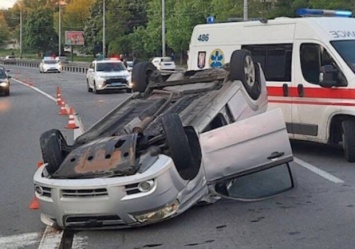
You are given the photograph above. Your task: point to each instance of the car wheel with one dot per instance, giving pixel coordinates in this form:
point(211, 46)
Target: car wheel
point(140, 75)
point(348, 129)
point(183, 146)
point(51, 147)
point(88, 86)
point(7, 92)
point(243, 68)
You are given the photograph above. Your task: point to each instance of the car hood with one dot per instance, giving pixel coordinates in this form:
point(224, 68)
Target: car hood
point(109, 156)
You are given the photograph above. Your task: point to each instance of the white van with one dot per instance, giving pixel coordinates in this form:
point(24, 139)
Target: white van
point(309, 64)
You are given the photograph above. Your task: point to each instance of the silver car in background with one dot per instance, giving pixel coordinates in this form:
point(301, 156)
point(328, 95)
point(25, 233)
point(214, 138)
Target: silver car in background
point(181, 139)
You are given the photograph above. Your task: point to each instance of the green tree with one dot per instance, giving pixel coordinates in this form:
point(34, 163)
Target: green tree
point(4, 30)
point(40, 34)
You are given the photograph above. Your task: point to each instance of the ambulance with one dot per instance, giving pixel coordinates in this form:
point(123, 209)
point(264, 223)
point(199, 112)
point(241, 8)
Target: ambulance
point(309, 64)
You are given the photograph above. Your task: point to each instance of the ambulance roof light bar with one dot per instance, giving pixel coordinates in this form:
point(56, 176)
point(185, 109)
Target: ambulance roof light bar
point(321, 12)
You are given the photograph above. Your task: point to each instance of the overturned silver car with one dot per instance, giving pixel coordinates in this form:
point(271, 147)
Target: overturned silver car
point(181, 139)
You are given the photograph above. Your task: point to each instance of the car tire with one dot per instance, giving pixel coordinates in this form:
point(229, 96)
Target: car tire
point(243, 68)
point(88, 86)
point(140, 75)
point(181, 146)
point(348, 132)
point(7, 92)
point(51, 147)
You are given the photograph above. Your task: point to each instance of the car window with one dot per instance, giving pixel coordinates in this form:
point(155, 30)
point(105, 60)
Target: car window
point(166, 59)
point(110, 67)
point(2, 74)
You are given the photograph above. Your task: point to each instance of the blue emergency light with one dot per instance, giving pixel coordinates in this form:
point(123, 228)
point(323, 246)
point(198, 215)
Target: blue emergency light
point(320, 12)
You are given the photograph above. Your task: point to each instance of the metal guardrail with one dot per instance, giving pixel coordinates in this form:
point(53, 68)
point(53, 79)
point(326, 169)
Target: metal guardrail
point(77, 67)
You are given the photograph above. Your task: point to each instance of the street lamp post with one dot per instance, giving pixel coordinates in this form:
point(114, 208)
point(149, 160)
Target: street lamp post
point(163, 27)
point(245, 10)
point(21, 32)
point(60, 29)
point(21, 28)
point(103, 29)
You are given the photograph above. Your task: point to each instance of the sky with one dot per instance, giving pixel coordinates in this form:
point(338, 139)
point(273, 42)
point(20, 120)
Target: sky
point(5, 4)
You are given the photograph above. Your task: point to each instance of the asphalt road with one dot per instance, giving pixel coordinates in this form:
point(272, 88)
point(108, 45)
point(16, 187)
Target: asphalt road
point(319, 213)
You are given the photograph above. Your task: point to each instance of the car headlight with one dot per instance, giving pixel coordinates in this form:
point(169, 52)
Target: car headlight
point(158, 214)
point(4, 84)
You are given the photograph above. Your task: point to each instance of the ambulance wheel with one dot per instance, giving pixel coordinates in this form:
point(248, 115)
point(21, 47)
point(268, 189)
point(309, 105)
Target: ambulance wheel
point(348, 127)
point(140, 75)
point(51, 147)
point(183, 146)
point(243, 68)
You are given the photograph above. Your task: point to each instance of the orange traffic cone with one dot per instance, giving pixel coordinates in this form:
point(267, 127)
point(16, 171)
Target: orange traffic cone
point(71, 123)
point(30, 83)
point(59, 96)
point(34, 203)
point(63, 110)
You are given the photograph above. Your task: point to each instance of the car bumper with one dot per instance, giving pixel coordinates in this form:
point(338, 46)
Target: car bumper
point(116, 202)
point(51, 70)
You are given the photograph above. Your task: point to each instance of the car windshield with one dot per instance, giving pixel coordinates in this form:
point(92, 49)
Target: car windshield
point(110, 67)
point(2, 74)
point(50, 62)
point(346, 50)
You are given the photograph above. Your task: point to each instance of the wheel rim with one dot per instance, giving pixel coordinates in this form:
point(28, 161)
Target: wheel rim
point(249, 71)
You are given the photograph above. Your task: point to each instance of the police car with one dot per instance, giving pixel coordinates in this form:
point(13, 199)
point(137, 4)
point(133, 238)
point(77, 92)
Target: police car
point(50, 65)
point(108, 74)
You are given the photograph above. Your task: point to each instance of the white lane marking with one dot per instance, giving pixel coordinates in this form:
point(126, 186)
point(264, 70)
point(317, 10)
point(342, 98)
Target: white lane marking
point(19, 241)
point(79, 242)
point(36, 89)
point(318, 171)
point(51, 238)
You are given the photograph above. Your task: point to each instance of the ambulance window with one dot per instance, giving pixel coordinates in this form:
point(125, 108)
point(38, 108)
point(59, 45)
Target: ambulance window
point(346, 51)
point(275, 59)
point(310, 62)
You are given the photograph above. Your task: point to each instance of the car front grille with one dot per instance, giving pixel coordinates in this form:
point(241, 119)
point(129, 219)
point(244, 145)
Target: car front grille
point(84, 193)
point(116, 80)
point(93, 221)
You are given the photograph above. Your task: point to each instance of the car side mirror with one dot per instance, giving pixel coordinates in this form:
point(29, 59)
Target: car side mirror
point(331, 76)
point(9, 77)
point(258, 185)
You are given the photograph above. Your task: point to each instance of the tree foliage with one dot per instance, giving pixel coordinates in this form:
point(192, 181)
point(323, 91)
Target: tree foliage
point(43, 38)
point(134, 27)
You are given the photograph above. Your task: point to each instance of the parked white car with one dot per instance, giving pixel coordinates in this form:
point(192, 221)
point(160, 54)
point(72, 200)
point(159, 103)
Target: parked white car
point(108, 74)
point(50, 65)
point(197, 137)
point(163, 63)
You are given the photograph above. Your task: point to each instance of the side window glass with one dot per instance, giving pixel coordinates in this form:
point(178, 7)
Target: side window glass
point(275, 60)
point(310, 62)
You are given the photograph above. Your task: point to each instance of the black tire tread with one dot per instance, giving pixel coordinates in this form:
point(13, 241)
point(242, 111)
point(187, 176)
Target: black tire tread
point(348, 127)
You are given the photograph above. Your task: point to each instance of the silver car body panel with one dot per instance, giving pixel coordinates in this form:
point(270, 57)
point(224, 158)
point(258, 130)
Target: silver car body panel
point(237, 148)
point(75, 198)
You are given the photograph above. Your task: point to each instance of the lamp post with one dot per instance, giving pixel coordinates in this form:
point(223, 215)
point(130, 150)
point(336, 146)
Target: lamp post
point(21, 27)
point(60, 29)
point(245, 10)
point(163, 27)
point(103, 29)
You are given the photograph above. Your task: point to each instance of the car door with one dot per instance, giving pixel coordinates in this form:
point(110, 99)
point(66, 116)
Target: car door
point(250, 145)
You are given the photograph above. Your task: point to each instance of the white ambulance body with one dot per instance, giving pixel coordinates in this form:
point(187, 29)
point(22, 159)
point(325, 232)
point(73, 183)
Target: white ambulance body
point(309, 64)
